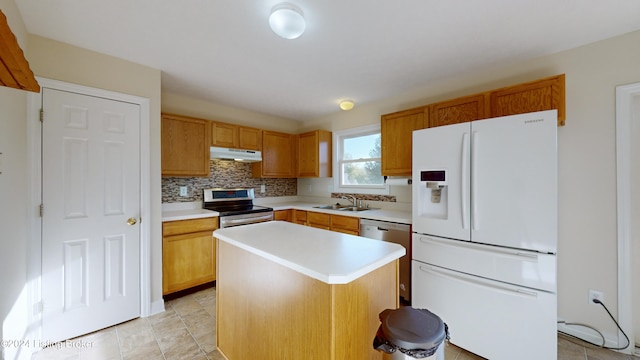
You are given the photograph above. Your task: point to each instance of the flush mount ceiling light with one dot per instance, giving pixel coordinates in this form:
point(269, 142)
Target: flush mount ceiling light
point(287, 21)
point(346, 105)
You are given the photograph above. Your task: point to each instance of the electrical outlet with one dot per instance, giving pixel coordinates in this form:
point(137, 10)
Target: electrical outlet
point(595, 294)
point(183, 191)
point(263, 188)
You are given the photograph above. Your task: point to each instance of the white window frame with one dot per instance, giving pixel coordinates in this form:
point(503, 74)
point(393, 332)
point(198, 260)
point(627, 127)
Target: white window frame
point(338, 136)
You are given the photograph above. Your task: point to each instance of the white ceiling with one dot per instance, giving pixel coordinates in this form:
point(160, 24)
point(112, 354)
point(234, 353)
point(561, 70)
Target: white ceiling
point(223, 51)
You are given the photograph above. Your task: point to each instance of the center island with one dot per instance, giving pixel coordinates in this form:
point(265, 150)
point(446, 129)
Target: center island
point(289, 291)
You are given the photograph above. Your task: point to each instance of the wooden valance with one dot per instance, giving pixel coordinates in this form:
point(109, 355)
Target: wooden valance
point(14, 68)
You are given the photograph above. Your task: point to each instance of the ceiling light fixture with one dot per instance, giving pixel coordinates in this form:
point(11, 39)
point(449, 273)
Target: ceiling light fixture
point(287, 21)
point(346, 105)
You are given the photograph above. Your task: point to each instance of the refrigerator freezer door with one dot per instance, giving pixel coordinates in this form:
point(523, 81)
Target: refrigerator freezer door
point(440, 178)
point(514, 187)
point(489, 318)
point(525, 268)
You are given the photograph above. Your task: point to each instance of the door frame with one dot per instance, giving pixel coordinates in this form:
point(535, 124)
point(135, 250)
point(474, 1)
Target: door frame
point(625, 95)
point(34, 158)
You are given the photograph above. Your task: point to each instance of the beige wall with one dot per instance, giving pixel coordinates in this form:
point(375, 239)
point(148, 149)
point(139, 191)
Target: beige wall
point(13, 201)
point(182, 105)
point(54, 60)
point(587, 248)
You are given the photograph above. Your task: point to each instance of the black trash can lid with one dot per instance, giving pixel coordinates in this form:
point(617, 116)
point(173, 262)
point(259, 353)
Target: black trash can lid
point(410, 328)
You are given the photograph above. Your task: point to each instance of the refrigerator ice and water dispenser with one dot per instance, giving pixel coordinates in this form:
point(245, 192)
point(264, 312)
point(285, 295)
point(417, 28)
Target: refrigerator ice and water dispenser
point(433, 194)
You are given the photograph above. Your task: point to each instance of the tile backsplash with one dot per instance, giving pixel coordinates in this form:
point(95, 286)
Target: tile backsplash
point(225, 174)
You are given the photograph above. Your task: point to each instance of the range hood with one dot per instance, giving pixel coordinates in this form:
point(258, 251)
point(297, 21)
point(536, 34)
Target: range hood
point(236, 154)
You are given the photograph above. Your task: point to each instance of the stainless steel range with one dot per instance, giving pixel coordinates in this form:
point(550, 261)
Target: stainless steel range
point(235, 207)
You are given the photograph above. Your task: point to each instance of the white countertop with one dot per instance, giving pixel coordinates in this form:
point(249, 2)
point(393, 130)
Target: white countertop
point(194, 210)
point(185, 211)
point(328, 256)
point(403, 217)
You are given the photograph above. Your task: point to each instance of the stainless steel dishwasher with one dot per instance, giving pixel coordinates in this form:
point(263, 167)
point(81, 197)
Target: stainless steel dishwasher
point(395, 233)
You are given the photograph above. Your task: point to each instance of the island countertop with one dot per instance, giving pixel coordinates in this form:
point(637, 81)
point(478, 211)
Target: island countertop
point(328, 256)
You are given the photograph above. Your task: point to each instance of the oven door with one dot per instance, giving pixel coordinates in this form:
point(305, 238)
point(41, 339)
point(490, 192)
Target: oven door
point(245, 219)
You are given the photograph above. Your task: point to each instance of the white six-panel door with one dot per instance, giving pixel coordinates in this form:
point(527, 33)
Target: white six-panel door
point(91, 201)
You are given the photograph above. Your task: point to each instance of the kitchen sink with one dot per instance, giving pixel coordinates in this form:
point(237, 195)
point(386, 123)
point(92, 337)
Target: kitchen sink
point(341, 207)
point(331, 207)
point(355, 208)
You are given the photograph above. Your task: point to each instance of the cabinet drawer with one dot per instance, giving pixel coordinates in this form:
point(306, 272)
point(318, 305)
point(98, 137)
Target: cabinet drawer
point(189, 226)
point(350, 224)
point(318, 220)
point(526, 268)
point(503, 306)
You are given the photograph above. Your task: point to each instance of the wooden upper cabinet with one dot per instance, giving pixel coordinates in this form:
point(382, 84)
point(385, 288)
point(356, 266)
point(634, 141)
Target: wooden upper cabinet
point(278, 156)
point(459, 110)
point(249, 138)
point(396, 131)
point(314, 154)
point(224, 135)
point(539, 95)
point(185, 146)
point(235, 136)
point(14, 68)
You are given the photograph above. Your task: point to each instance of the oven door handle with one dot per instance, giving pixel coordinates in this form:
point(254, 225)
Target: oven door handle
point(250, 220)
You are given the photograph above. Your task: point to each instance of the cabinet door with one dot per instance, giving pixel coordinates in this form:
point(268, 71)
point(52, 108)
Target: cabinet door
point(249, 138)
point(185, 146)
point(314, 154)
point(318, 220)
point(539, 95)
point(188, 260)
point(300, 217)
point(282, 215)
point(224, 135)
point(459, 110)
point(396, 131)
point(278, 156)
point(345, 224)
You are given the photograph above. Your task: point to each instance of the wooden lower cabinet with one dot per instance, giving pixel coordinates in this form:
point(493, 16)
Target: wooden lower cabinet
point(299, 217)
point(319, 220)
point(345, 224)
point(339, 223)
point(284, 314)
point(282, 215)
point(188, 253)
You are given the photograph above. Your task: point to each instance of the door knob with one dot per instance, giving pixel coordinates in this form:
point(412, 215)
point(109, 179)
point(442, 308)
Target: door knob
point(132, 221)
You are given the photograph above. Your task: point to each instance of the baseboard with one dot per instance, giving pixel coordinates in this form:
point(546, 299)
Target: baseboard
point(157, 307)
point(587, 334)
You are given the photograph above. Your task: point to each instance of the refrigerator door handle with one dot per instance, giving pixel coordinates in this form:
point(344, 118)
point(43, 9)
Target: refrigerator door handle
point(477, 281)
point(464, 197)
point(474, 180)
point(496, 251)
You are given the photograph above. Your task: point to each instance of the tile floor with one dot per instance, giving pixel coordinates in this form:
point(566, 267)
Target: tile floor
point(186, 330)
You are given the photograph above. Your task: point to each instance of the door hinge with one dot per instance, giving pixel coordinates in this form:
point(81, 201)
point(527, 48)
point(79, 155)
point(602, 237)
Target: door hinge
point(41, 209)
point(38, 308)
point(41, 115)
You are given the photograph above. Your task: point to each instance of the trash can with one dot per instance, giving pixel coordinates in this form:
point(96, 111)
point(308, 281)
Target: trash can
point(407, 333)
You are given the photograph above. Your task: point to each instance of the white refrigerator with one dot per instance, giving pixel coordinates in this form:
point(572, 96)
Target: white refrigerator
point(484, 242)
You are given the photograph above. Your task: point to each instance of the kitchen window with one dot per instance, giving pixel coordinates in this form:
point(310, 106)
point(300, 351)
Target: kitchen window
point(358, 163)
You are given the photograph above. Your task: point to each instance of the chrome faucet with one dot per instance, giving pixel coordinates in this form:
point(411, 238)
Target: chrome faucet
point(351, 198)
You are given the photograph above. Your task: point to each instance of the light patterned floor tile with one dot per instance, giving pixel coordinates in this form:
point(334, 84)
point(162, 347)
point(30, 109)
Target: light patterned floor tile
point(186, 330)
